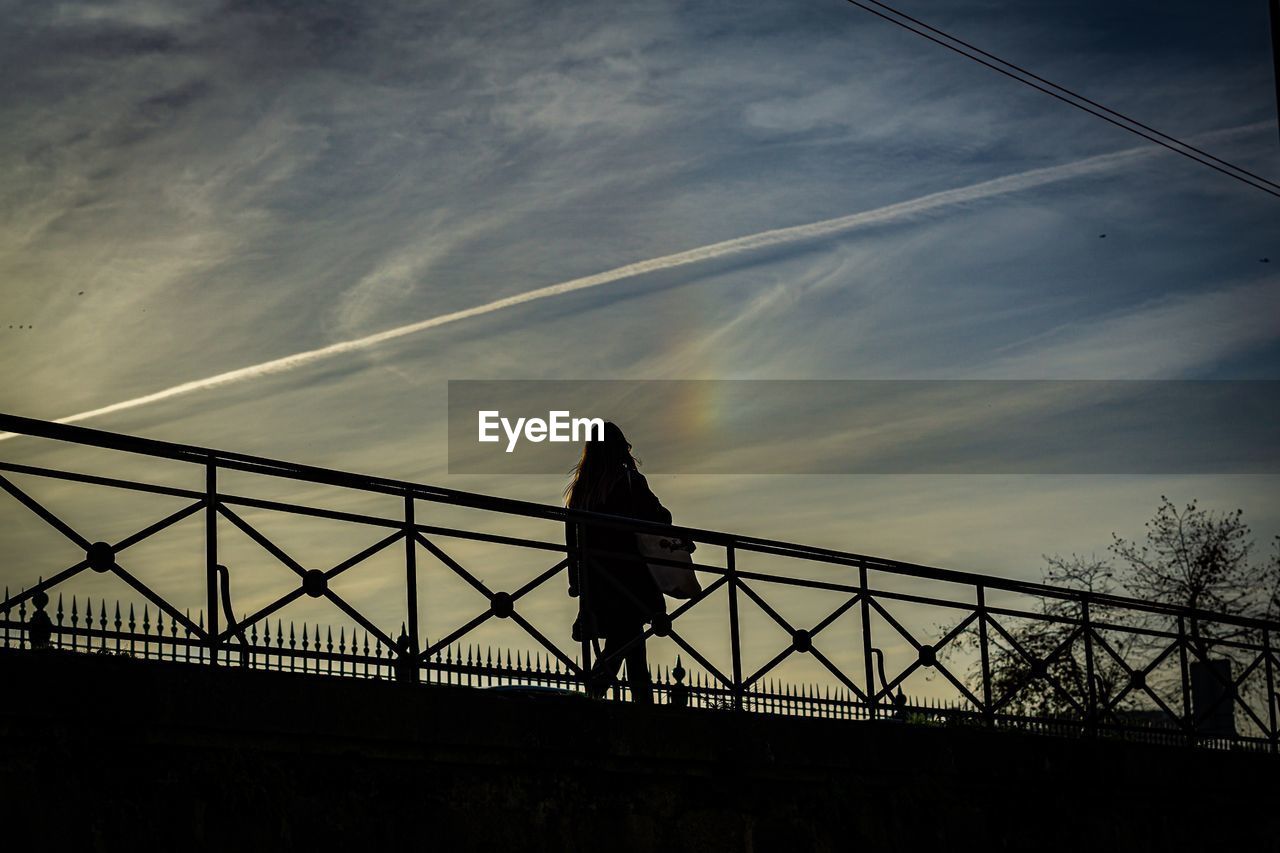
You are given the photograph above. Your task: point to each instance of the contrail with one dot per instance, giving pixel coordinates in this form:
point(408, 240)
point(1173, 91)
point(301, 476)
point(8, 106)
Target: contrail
point(739, 245)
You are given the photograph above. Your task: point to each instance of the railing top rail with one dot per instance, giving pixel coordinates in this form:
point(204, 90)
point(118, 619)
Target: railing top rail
point(385, 485)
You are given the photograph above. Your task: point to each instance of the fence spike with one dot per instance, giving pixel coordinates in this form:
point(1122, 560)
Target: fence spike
point(6, 595)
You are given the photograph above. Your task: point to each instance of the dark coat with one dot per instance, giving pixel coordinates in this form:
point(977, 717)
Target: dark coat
point(616, 596)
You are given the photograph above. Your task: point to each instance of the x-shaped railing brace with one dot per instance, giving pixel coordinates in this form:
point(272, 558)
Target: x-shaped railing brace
point(926, 655)
point(1233, 688)
point(1137, 678)
point(1039, 668)
point(101, 556)
point(501, 605)
point(801, 641)
point(661, 626)
point(315, 583)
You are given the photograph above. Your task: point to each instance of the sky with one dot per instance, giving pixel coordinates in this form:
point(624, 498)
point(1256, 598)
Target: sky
point(191, 189)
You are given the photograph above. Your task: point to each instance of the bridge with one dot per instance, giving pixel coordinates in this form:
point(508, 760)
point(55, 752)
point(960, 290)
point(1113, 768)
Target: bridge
point(869, 713)
point(875, 625)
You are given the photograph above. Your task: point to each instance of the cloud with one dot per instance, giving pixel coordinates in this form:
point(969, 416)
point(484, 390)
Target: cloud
point(750, 243)
point(1169, 336)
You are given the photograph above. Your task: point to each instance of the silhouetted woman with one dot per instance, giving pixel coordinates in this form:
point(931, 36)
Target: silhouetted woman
point(617, 596)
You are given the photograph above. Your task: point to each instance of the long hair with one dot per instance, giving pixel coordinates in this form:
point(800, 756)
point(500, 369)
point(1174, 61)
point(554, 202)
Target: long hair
point(602, 464)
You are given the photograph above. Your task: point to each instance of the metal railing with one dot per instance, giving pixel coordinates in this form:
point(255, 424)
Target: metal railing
point(1173, 674)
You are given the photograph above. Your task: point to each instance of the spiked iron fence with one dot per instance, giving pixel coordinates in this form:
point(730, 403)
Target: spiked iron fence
point(131, 630)
point(1114, 666)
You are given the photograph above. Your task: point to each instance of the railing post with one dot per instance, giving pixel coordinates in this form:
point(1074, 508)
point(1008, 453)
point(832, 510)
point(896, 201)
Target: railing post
point(1187, 723)
point(579, 574)
point(211, 555)
point(868, 674)
point(1273, 735)
point(1091, 721)
point(988, 714)
point(735, 637)
point(411, 583)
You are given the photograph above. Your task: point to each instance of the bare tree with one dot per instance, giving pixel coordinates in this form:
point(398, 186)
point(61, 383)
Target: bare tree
point(1190, 558)
point(1200, 559)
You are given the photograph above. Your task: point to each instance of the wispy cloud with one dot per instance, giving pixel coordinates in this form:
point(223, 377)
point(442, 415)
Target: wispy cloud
point(1169, 336)
point(764, 240)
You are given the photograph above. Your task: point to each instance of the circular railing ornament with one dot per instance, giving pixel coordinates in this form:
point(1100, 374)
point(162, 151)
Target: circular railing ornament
point(501, 605)
point(101, 557)
point(314, 583)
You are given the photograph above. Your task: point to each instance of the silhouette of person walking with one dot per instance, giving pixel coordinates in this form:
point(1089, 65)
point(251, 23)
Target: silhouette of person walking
point(616, 595)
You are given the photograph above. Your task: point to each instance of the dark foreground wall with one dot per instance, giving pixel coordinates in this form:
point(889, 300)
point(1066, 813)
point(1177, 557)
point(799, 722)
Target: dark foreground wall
point(100, 753)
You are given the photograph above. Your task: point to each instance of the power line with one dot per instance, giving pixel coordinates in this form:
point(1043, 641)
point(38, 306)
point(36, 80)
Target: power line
point(1074, 94)
point(1066, 95)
